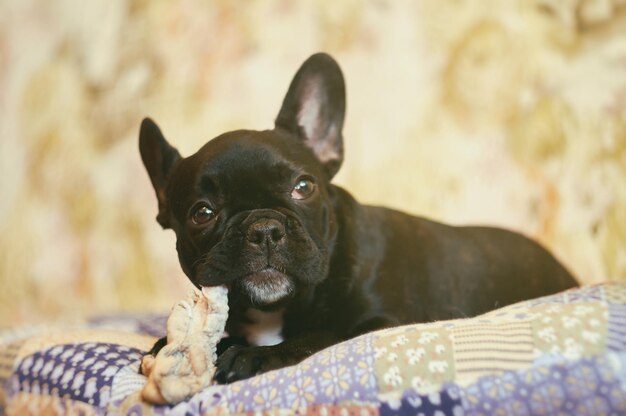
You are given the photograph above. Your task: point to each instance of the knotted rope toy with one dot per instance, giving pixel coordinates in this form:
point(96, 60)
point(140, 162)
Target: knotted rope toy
point(186, 364)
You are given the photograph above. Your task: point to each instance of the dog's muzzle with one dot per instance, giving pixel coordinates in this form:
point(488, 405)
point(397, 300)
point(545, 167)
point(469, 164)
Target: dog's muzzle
point(265, 236)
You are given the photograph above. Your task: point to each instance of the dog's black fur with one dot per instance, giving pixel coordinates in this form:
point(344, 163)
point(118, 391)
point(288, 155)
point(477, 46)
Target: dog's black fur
point(255, 210)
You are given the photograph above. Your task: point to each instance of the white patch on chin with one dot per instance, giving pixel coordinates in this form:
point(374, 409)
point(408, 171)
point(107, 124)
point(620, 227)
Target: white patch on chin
point(265, 327)
point(267, 291)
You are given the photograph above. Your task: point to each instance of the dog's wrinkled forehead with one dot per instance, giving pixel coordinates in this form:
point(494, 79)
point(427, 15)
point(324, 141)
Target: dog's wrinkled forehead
point(244, 165)
point(259, 156)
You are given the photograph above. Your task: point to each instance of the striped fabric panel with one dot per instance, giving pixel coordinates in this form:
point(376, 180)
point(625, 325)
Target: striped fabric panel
point(616, 329)
point(8, 356)
point(126, 382)
point(488, 348)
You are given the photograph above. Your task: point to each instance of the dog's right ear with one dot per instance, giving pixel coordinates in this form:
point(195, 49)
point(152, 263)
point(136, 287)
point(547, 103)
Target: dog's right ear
point(159, 158)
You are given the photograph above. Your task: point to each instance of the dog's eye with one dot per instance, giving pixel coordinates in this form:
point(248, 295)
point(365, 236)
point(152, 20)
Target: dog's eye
point(202, 215)
point(303, 189)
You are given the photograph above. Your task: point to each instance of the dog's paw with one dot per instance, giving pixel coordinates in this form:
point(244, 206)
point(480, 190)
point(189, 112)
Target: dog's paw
point(147, 360)
point(240, 362)
point(227, 342)
point(158, 346)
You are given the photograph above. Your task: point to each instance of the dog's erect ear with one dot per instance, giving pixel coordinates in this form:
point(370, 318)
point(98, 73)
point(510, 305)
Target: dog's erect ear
point(158, 158)
point(314, 109)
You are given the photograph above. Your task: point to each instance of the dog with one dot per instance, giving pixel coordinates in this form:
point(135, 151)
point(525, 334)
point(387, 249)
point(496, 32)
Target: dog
point(306, 265)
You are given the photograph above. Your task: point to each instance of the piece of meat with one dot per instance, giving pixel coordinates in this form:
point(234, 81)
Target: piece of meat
point(185, 365)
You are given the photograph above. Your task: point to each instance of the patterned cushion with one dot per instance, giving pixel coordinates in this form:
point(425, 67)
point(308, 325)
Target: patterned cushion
point(561, 354)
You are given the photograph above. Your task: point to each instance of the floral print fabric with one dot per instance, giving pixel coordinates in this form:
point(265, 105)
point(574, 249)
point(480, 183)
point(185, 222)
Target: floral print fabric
point(561, 354)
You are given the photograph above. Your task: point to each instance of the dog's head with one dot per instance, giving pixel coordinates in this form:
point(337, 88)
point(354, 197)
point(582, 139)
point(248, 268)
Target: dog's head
point(254, 209)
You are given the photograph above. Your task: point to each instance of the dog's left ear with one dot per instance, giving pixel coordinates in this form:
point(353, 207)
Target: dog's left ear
point(314, 109)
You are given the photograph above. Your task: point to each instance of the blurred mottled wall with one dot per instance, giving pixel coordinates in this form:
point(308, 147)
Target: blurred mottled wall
point(509, 112)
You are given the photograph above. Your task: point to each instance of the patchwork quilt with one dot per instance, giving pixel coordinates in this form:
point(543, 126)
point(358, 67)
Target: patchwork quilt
point(562, 354)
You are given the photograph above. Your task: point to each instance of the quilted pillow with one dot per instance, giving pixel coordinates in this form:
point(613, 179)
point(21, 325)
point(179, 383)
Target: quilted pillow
point(561, 354)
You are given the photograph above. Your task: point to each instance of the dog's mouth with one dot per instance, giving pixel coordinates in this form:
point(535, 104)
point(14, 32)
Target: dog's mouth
point(266, 286)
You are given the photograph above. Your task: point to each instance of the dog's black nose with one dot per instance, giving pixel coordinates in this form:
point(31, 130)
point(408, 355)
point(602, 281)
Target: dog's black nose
point(265, 229)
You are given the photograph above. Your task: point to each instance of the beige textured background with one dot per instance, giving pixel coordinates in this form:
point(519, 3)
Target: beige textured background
point(509, 112)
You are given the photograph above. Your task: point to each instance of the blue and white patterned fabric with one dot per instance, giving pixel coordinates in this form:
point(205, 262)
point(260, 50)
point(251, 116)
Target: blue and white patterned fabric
point(558, 355)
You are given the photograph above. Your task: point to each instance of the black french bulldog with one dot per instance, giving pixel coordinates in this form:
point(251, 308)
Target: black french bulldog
point(306, 265)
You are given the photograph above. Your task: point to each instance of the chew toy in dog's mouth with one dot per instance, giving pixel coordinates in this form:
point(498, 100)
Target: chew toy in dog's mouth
point(267, 286)
point(186, 364)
